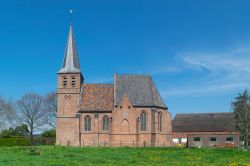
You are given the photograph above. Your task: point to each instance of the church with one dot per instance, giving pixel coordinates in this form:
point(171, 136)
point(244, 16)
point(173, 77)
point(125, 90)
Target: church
point(127, 112)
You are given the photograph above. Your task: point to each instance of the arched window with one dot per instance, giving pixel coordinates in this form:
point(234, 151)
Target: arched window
point(105, 123)
point(73, 81)
point(160, 121)
point(143, 121)
point(87, 123)
point(64, 81)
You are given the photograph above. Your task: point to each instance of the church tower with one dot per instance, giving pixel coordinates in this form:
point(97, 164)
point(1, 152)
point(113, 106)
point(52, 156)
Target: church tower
point(68, 95)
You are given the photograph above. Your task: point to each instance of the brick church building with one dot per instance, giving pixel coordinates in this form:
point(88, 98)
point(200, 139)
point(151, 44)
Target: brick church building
point(128, 112)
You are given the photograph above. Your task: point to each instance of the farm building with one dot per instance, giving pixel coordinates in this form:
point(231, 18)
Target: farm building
point(127, 112)
point(205, 130)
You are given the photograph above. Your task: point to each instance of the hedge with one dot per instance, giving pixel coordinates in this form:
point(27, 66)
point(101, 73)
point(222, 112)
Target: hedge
point(44, 141)
point(15, 141)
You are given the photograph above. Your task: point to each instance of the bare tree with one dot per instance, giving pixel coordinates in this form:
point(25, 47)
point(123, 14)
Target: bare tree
point(6, 112)
point(2, 112)
point(50, 108)
point(30, 112)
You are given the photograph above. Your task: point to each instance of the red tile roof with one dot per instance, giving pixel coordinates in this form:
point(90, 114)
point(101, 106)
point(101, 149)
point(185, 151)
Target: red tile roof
point(97, 97)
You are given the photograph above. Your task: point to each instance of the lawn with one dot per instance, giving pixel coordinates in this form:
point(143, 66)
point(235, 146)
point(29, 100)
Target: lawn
point(55, 155)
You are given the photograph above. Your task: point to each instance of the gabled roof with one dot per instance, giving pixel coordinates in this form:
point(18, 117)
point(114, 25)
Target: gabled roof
point(97, 97)
point(140, 90)
point(204, 122)
point(70, 61)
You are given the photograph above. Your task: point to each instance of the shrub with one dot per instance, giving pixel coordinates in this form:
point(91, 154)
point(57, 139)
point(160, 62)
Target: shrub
point(43, 141)
point(23, 142)
point(19, 131)
point(49, 133)
point(34, 151)
point(15, 141)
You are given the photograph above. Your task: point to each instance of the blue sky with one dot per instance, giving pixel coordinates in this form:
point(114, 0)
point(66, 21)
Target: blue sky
point(198, 52)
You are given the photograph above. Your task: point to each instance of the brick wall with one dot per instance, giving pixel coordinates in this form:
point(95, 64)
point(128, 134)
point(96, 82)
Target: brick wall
point(124, 127)
point(67, 124)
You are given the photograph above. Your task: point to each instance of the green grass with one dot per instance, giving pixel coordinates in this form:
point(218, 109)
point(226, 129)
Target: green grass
point(59, 156)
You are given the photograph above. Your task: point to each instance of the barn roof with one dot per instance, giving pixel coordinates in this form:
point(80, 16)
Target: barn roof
point(203, 122)
point(140, 90)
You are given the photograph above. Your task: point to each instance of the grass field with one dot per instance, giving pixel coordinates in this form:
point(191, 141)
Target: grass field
point(50, 155)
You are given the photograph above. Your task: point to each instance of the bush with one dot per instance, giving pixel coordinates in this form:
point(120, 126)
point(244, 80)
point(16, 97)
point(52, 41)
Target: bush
point(49, 133)
point(34, 151)
point(44, 141)
point(19, 131)
point(15, 141)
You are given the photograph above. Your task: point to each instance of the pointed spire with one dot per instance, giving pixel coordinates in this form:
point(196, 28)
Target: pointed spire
point(70, 62)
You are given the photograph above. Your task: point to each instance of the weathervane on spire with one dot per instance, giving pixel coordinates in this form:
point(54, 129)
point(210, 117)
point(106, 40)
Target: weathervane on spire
point(71, 12)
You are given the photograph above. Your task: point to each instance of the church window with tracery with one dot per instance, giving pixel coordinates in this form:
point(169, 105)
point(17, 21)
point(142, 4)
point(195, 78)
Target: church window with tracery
point(87, 124)
point(143, 121)
point(105, 123)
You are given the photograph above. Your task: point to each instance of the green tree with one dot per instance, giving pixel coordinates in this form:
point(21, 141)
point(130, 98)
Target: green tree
point(241, 110)
point(49, 133)
point(19, 131)
point(7, 133)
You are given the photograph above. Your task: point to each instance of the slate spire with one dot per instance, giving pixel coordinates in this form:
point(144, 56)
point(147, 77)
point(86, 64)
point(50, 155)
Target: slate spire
point(70, 61)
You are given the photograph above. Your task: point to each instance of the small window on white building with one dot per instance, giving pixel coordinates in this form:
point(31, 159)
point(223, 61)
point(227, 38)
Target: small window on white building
point(229, 139)
point(197, 139)
point(212, 139)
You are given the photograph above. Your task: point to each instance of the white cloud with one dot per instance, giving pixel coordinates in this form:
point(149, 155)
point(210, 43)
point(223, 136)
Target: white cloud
point(204, 90)
point(223, 73)
point(170, 69)
point(234, 61)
